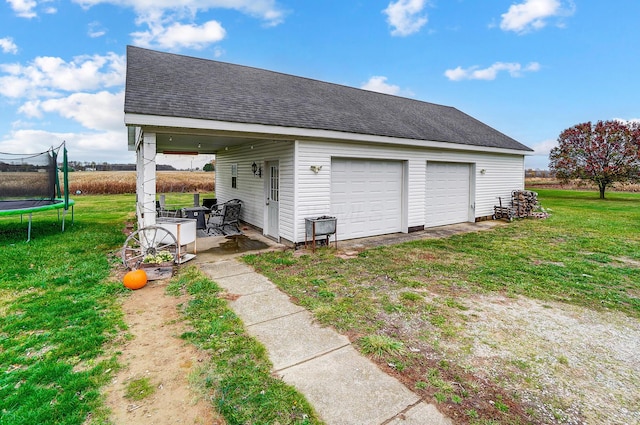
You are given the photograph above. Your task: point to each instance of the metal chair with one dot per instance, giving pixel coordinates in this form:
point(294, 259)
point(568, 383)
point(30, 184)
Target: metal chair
point(226, 220)
point(211, 203)
point(163, 211)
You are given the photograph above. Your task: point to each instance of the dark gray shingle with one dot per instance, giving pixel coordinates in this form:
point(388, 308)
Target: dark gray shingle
point(180, 86)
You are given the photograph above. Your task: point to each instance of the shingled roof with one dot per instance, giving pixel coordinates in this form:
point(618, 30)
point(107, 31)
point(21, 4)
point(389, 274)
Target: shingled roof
point(173, 85)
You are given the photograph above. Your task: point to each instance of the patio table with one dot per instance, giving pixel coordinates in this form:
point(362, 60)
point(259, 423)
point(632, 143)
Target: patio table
point(199, 213)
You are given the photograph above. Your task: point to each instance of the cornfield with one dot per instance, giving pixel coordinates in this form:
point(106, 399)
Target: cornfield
point(118, 182)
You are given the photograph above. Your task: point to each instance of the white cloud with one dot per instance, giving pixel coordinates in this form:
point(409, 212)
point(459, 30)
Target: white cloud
point(267, 10)
point(96, 30)
point(179, 35)
point(379, 84)
point(163, 19)
point(77, 91)
point(628, 121)
point(171, 24)
point(544, 147)
point(108, 146)
point(405, 16)
point(533, 15)
point(490, 73)
point(218, 52)
point(8, 46)
point(48, 76)
point(96, 111)
point(539, 160)
point(24, 8)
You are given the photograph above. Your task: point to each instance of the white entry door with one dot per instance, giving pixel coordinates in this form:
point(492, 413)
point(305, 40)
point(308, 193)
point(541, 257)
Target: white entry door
point(273, 200)
point(366, 197)
point(448, 193)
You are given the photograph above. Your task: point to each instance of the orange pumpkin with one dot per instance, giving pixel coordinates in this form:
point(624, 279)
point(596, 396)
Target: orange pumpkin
point(135, 279)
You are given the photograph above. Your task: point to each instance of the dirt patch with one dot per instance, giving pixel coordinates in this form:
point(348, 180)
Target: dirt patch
point(156, 352)
point(546, 362)
point(570, 364)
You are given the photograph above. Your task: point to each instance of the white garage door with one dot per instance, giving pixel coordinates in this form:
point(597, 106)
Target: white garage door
point(447, 197)
point(366, 197)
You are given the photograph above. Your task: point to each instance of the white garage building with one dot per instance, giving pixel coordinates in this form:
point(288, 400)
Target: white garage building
point(292, 147)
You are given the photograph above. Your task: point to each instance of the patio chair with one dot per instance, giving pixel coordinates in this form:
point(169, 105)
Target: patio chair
point(163, 211)
point(225, 221)
point(210, 203)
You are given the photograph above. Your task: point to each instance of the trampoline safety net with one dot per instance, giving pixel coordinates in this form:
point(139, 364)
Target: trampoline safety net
point(29, 176)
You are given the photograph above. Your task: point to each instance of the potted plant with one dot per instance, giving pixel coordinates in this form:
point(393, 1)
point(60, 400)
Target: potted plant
point(160, 259)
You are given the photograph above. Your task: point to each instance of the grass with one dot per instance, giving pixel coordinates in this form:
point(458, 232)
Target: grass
point(238, 376)
point(380, 345)
point(61, 324)
point(59, 315)
point(139, 389)
point(413, 293)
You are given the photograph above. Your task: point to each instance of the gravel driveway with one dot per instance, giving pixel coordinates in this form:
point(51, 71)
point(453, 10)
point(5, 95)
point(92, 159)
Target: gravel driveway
point(570, 364)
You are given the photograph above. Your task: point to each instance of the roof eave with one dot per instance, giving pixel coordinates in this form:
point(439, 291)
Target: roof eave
point(295, 133)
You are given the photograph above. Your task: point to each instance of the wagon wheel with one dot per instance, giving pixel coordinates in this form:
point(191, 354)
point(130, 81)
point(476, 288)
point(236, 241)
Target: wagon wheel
point(149, 240)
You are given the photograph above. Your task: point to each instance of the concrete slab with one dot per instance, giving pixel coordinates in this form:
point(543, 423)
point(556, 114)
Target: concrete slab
point(343, 386)
point(347, 389)
point(421, 414)
point(263, 306)
point(429, 233)
point(224, 268)
point(292, 339)
point(245, 284)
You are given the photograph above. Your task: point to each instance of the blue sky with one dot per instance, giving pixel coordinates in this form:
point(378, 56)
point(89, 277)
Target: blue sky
point(529, 68)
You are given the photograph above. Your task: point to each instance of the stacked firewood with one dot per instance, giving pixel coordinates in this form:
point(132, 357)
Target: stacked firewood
point(524, 203)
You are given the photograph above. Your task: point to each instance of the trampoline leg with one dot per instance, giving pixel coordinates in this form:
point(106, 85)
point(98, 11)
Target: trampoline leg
point(64, 215)
point(29, 229)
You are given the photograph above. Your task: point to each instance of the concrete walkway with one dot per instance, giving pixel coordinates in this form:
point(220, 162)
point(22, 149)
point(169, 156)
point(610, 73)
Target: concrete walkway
point(343, 386)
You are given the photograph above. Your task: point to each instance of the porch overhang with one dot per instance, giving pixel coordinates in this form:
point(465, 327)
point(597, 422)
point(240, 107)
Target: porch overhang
point(190, 135)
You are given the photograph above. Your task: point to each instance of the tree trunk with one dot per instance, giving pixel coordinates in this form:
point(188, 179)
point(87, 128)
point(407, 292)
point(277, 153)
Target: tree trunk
point(602, 187)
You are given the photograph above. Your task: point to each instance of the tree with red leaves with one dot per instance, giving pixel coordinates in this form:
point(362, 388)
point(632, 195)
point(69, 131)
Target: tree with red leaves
point(604, 153)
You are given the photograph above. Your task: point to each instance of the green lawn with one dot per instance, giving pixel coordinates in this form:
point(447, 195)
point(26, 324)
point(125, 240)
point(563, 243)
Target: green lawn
point(59, 313)
point(61, 323)
point(60, 309)
point(586, 253)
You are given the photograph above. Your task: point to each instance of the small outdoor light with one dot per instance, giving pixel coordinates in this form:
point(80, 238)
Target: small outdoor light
point(316, 168)
point(257, 170)
point(483, 171)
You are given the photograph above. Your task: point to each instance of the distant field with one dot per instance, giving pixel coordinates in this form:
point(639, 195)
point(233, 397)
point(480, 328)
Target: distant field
point(119, 182)
point(532, 183)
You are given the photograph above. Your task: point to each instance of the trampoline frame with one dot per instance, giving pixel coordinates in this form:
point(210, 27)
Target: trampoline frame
point(44, 205)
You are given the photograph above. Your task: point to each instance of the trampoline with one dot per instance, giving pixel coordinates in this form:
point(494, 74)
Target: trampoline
point(30, 183)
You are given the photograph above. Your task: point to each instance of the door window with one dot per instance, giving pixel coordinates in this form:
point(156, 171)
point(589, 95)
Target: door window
point(275, 183)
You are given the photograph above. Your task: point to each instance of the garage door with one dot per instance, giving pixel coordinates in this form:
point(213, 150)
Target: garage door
point(366, 197)
point(447, 197)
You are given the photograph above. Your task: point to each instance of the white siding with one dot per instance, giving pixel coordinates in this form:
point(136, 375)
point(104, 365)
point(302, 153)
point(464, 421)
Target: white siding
point(305, 193)
point(503, 173)
point(251, 189)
